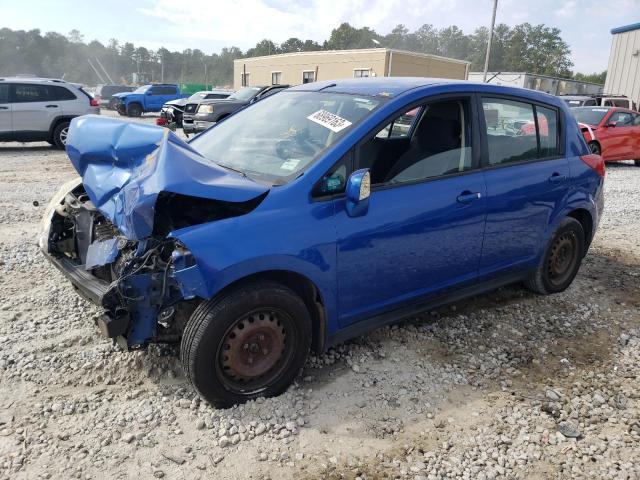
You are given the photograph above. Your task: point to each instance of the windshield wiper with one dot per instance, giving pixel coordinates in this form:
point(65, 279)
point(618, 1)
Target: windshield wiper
point(232, 169)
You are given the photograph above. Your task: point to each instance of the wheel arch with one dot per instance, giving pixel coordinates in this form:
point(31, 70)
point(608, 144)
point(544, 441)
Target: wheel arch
point(57, 121)
point(586, 220)
point(302, 286)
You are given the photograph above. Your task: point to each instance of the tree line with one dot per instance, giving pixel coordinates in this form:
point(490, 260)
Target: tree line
point(525, 47)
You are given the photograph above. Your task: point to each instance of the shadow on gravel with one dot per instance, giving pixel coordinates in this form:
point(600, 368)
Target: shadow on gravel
point(509, 337)
point(27, 149)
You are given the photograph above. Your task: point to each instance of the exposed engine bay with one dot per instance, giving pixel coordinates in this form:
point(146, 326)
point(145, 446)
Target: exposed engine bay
point(139, 280)
point(110, 231)
point(142, 298)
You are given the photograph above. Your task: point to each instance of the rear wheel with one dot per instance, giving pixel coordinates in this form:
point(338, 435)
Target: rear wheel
point(60, 133)
point(561, 260)
point(134, 110)
point(637, 162)
point(250, 343)
point(595, 148)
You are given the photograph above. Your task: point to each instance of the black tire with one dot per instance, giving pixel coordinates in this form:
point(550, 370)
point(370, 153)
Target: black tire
point(637, 162)
point(595, 148)
point(134, 110)
point(561, 259)
point(266, 321)
point(59, 137)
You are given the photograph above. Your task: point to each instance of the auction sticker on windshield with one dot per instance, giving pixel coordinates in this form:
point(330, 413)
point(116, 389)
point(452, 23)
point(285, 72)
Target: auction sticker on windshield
point(333, 122)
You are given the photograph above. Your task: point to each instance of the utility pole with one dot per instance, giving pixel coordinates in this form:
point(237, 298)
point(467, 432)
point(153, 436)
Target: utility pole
point(493, 22)
point(205, 72)
point(162, 67)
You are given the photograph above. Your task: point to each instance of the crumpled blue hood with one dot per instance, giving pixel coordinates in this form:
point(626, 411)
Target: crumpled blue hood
point(125, 165)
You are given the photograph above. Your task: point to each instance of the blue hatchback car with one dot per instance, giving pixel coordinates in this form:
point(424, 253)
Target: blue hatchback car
point(318, 214)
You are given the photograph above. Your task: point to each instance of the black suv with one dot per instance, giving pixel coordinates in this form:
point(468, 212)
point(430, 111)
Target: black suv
point(198, 117)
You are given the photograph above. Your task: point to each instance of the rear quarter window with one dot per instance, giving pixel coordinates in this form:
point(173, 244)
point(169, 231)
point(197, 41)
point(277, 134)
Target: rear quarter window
point(60, 93)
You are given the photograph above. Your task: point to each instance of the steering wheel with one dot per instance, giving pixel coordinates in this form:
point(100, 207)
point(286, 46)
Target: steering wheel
point(295, 146)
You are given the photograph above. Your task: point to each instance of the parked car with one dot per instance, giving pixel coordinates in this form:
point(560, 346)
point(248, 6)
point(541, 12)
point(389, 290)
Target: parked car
point(293, 225)
point(611, 132)
point(200, 116)
point(104, 94)
point(40, 109)
point(600, 99)
point(148, 98)
point(172, 111)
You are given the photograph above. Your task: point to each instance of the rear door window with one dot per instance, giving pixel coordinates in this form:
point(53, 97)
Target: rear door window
point(520, 131)
point(24, 93)
point(511, 131)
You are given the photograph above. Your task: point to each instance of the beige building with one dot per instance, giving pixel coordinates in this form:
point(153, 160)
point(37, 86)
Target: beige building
point(305, 67)
point(623, 72)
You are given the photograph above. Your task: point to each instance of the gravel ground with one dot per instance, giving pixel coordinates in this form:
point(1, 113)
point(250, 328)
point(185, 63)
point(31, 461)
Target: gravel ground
point(505, 385)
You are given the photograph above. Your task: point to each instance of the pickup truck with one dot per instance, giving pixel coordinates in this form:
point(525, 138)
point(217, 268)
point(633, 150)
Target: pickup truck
point(148, 98)
point(197, 117)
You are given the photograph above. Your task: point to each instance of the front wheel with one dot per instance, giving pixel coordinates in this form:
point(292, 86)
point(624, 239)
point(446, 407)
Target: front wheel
point(637, 162)
point(561, 260)
point(60, 133)
point(250, 343)
point(134, 110)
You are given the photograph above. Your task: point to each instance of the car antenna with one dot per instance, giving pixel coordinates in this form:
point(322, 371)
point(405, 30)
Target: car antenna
point(328, 86)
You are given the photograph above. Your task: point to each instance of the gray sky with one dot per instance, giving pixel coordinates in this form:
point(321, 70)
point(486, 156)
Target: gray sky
point(211, 25)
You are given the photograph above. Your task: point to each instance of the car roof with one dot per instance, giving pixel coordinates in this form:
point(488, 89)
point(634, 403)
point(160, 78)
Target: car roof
point(373, 86)
point(394, 86)
point(32, 80)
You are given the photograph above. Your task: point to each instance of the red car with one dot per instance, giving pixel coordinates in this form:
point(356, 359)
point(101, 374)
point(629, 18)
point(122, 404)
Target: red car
point(612, 132)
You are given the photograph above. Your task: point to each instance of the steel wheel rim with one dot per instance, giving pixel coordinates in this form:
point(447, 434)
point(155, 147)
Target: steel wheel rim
point(255, 350)
point(63, 135)
point(562, 258)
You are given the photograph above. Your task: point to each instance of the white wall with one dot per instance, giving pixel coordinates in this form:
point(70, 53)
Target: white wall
point(623, 72)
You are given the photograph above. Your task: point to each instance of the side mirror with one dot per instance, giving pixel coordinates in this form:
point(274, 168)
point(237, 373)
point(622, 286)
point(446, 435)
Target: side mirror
point(358, 192)
point(149, 93)
point(612, 124)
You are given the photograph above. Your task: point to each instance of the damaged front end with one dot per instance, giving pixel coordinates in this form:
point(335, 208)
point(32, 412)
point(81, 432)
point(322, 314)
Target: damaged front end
point(111, 232)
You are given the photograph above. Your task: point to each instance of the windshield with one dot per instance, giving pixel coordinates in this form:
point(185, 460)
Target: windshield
point(198, 96)
point(590, 116)
point(278, 137)
point(141, 89)
point(245, 93)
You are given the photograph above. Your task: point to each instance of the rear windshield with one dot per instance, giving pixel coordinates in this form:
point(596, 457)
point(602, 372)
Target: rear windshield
point(589, 115)
point(245, 93)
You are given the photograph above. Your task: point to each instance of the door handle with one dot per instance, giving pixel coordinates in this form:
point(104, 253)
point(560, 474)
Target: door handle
point(468, 197)
point(557, 178)
point(52, 106)
point(4, 108)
